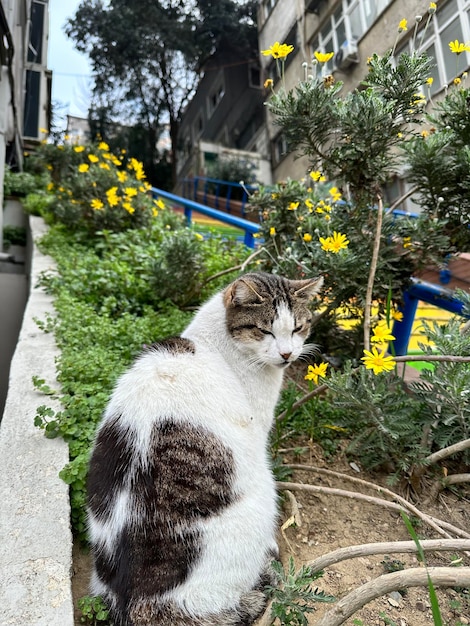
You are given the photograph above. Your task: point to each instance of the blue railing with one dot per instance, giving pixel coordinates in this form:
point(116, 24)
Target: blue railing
point(188, 206)
point(204, 189)
point(419, 290)
point(426, 292)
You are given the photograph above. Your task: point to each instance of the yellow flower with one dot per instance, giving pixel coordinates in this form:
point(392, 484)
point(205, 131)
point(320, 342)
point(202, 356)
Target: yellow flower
point(335, 194)
point(457, 47)
point(128, 207)
point(268, 83)
point(381, 334)
point(112, 196)
point(338, 242)
point(49, 167)
point(104, 166)
point(198, 236)
point(103, 146)
point(325, 243)
point(309, 205)
point(79, 148)
point(317, 177)
point(272, 231)
point(307, 237)
point(155, 212)
point(115, 161)
point(122, 176)
point(96, 204)
point(83, 167)
point(93, 158)
point(316, 371)
point(424, 133)
point(396, 315)
point(403, 25)
point(278, 50)
point(377, 361)
point(323, 57)
point(457, 81)
point(292, 206)
point(50, 186)
point(429, 81)
point(407, 242)
point(130, 191)
point(432, 7)
point(44, 131)
point(160, 204)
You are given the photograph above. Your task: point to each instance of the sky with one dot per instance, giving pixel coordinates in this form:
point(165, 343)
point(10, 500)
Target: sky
point(71, 83)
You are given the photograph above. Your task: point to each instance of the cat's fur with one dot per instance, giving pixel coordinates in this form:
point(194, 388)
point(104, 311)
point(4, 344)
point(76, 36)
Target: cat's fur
point(181, 498)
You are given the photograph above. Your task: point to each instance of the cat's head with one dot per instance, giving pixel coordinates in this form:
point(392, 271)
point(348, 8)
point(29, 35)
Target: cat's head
point(268, 316)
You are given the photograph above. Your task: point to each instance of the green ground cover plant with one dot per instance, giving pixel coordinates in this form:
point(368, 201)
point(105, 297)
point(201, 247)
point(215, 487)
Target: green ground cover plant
point(130, 272)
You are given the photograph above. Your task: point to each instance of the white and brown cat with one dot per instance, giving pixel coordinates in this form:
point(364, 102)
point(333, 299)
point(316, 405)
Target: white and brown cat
point(181, 498)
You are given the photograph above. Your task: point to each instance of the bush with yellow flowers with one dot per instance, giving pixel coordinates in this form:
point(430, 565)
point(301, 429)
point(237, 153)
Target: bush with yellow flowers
point(94, 189)
point(336, 222)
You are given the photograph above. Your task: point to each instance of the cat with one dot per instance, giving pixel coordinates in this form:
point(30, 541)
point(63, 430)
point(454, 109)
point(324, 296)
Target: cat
point(181, 498)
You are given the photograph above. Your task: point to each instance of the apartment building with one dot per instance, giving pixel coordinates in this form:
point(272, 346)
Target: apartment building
point(25, 81)
point(226, 117)
point(353, 30)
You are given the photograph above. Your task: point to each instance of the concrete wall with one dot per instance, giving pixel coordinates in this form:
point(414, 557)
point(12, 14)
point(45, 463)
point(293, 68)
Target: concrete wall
point(36, 540)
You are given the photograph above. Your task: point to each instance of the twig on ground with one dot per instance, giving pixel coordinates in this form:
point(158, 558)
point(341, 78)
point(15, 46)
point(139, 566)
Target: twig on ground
point(416, 577)
point(438, 525)
point(295, 511)
point(445, 452)
point(385, 547)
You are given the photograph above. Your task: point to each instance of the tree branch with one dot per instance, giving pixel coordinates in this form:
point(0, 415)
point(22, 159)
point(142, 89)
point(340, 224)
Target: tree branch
point(385, 547)
point(436, 524)
point(445, 452)
point(373, 269)
point(416, 577)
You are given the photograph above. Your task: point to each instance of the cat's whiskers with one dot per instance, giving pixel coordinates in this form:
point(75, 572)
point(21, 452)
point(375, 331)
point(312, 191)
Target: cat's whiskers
point(308, 350)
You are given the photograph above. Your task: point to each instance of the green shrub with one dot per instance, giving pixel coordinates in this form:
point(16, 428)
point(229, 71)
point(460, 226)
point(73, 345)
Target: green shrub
point(94, 189)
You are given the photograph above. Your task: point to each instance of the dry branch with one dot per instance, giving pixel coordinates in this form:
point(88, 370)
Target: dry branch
point(372, 271)
point(385, 547)
point(416, 577)
point(445, 452)
point(438, 525)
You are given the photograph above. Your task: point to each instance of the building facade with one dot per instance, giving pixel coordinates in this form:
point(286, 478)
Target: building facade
point(226, 117)
point(25, 81)
point(353, 30)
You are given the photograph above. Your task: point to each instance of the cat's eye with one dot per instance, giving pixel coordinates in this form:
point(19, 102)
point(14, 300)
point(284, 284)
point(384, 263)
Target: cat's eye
point(265, 332)
point(297, 330)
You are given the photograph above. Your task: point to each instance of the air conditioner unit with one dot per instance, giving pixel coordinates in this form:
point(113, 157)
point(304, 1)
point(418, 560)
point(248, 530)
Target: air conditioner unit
point(347, 55)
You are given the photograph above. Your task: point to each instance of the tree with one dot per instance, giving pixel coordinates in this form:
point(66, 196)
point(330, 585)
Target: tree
point(146, 57)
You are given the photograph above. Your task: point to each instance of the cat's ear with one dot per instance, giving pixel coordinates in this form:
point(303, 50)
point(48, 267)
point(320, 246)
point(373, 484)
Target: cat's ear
point(308, 288)
point(242, 291)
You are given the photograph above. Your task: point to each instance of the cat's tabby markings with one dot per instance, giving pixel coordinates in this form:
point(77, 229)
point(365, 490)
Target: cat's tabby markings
point(181, 498)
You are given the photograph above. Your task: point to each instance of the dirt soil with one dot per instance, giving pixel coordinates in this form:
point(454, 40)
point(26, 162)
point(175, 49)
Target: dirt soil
point(329, 522)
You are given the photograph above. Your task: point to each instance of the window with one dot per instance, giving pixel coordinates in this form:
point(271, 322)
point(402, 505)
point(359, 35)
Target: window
point(351, 20)
point(215, 97)
point(36, 33)
point(31, 112)
point(254, 75)
point(268, 6)
point(279, 148)
point(450, 22)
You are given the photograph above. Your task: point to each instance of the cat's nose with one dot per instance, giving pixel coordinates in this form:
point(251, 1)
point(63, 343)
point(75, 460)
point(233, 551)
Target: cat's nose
point(286, 355)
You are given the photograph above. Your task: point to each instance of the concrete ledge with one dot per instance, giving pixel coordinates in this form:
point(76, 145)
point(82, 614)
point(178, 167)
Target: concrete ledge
point(35, 534)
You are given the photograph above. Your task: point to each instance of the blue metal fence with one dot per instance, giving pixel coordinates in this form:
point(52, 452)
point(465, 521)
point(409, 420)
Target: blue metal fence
point(221, 191)
point(188, 206)
point(419, 290)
